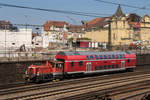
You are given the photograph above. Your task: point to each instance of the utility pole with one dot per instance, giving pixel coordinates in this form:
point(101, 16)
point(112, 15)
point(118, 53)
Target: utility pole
point(5, 40)
point(109, 35)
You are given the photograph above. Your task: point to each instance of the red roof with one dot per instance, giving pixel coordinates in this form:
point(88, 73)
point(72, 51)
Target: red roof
point(58, 24)
point(95, 21)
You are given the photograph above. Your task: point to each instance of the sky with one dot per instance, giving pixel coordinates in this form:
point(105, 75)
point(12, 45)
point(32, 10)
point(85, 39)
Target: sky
point(35, 17)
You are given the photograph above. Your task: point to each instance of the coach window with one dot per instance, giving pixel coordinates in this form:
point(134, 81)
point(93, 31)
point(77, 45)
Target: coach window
point(91, 57)
point(105, 57)
point(109, 67)
point(101, 57)
point(117, 66)
point(96, 68)
point(128, 60)
point(113, 56)
point(96, 57)
point(81, 63)
point(72, 64)
point(101, 68)
point(120, 56)
point(113, 66)
point(105, 67)
point(117, 56)
point(123, 56)
point(87, 57)
point(109, 56)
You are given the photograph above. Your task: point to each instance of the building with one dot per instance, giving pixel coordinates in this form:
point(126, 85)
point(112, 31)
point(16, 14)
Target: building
point(13, 37)
point(60, 32)
point(124, 28)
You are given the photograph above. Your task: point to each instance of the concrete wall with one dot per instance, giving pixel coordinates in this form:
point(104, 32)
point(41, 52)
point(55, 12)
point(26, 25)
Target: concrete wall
point(13, 71)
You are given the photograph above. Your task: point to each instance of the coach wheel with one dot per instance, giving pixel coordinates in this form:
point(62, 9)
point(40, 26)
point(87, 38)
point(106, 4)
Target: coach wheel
point(27, 80)
point(57, 79)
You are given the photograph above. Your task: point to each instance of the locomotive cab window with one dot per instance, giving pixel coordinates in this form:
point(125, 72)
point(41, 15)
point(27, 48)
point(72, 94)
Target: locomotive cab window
point(53, 64)
point(81, 63)
point(58, 65)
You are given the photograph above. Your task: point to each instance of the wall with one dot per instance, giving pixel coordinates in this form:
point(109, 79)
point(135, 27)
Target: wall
point(16, 38)
point(13, 71)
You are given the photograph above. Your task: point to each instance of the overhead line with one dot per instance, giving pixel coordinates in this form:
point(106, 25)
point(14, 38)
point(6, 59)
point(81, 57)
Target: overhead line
point(57, 11)
point(108, 2)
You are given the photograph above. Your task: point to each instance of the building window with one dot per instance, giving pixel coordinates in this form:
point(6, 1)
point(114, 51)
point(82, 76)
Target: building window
point(124, 24)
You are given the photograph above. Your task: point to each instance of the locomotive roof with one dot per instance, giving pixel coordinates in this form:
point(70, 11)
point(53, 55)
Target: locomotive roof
point(93, 53)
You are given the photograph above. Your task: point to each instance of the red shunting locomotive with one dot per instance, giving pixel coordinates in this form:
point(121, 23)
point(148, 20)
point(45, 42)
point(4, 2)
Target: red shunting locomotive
point(81, 63)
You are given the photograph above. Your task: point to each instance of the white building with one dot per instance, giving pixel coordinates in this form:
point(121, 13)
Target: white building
point(15, 39)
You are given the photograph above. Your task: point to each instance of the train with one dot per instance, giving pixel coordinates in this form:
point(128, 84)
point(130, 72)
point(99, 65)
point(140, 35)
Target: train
point(81, 63)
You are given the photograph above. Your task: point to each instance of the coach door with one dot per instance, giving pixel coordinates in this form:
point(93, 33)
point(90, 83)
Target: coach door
point(88, 66)
point(122, 64)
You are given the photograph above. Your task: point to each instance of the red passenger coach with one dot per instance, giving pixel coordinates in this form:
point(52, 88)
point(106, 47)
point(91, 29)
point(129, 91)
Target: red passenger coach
point(71, 63)
point(93, 62)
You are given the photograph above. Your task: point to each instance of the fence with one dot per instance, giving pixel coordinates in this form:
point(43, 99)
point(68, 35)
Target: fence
point(25, 56)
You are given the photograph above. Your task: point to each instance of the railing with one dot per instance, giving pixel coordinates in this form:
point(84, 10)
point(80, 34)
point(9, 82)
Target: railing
point(25, 56)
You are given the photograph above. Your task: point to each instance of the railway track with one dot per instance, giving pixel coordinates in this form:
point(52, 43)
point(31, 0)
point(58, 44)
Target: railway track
point(57, 92)
point(30, 87)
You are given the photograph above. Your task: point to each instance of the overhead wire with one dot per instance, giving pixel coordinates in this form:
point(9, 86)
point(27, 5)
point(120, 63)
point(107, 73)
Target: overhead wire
point(114, 3)
point(57, 11)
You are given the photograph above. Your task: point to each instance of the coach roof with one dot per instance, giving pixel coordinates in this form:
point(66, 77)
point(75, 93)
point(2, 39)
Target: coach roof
point(92, 53)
